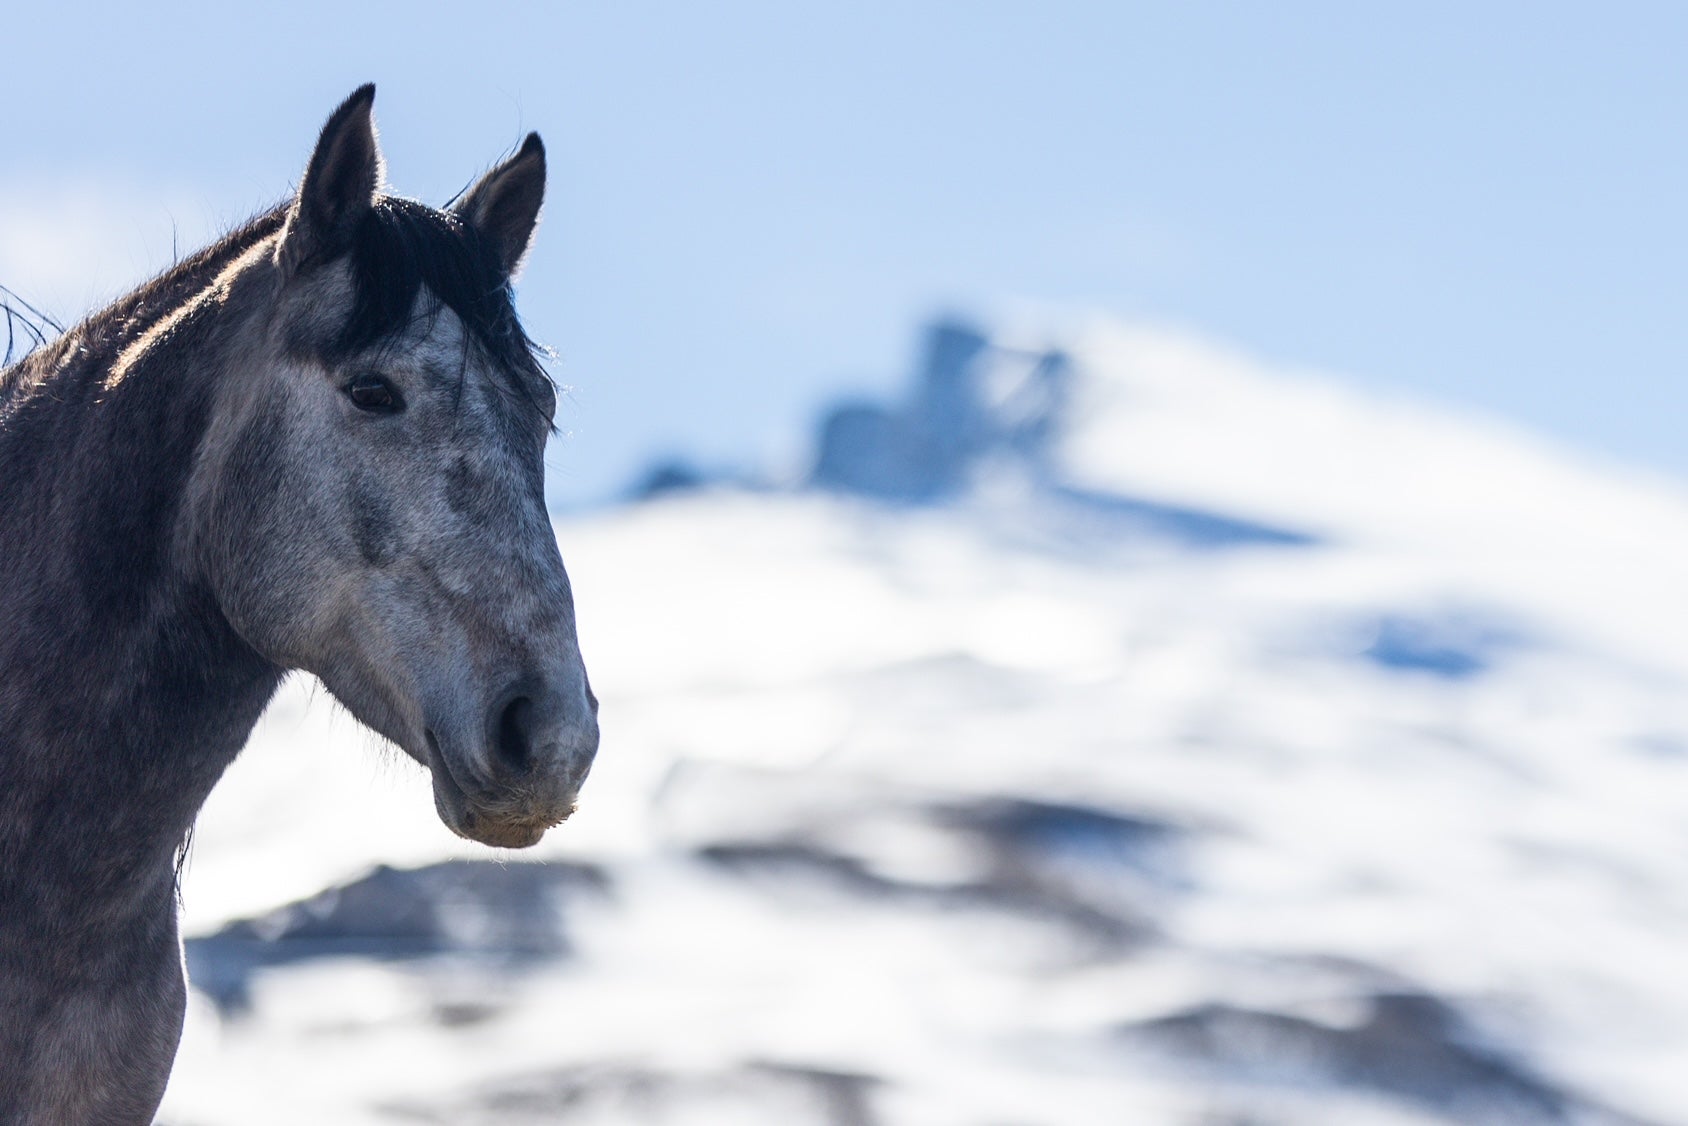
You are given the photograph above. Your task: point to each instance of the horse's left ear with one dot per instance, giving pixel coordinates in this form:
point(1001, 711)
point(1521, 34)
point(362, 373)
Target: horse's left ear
point(504, 204)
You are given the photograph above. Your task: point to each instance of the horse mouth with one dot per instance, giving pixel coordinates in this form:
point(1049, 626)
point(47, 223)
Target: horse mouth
point(515, 823)
point(497, 831)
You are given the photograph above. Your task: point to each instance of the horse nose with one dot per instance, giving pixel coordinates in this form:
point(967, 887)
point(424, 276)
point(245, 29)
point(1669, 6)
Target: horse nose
point(513, 741)
point(535, 729)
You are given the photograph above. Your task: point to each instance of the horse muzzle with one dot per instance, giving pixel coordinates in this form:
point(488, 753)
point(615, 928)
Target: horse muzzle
point(521, 773)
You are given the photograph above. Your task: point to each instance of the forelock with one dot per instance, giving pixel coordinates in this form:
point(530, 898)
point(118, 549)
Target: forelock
point(406, 257)
point(408, 261)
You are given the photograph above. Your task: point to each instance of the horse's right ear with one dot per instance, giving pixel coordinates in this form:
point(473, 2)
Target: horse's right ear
point(338, 188)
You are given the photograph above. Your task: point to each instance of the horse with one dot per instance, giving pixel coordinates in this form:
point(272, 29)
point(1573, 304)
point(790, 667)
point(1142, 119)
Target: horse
point(315, 445)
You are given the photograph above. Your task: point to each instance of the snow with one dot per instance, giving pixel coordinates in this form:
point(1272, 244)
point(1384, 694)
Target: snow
point(942, 814)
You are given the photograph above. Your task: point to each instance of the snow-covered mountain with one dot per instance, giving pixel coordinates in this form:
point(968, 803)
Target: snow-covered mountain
point(1114, 731)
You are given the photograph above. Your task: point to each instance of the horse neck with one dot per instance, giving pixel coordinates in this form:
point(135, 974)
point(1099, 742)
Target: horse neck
point(124, 692)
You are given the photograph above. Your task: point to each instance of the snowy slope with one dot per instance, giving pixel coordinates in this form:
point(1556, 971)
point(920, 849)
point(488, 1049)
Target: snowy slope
point(1043, 805)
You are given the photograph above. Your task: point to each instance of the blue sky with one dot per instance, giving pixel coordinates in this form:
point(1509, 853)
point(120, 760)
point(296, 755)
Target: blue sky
point(754, 205)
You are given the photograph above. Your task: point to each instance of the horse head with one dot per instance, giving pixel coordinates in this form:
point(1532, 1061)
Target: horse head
point(369, 503)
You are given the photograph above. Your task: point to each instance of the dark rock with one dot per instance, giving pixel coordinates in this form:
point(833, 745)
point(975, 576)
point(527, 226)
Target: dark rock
point(925, 449)
point(1084, 871)
point(1454, 646)
point(1410, 1046)
point(1188, 527)
point(791, 1094)
point(668, 477)
point(865, 449)
point(509, 912)
point(1036, 834)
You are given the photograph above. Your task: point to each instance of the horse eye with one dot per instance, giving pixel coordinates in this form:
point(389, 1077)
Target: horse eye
point(374, 394)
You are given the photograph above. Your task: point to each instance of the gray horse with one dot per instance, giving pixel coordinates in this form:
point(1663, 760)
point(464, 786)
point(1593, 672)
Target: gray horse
point(314, 445)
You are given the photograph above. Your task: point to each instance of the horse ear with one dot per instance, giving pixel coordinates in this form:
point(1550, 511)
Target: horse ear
point(504, 204)
point(338, 188)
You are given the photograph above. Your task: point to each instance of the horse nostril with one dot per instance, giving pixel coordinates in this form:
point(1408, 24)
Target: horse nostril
point(515, 733)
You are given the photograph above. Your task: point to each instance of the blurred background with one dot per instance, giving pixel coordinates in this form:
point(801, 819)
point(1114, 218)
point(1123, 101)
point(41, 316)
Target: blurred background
point(1131, 555)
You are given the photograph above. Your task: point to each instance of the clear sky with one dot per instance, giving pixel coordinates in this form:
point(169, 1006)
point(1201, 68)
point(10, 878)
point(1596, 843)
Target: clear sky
point(754, 205)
